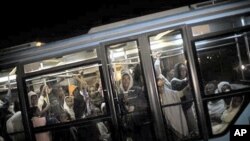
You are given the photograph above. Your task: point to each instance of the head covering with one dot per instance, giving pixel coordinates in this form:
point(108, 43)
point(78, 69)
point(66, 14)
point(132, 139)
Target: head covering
point(71, 89)
point(131, 81)
point(68, 109)
point(30, 94)
point(221, 84)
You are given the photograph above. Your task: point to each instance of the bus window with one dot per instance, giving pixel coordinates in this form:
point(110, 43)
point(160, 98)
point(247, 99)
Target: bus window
point(224, 59)
point(175, 93)
point(11, 126)
point(100, 131)
point(76, 91)
point(220, 25)
point(66, 59)
point(222, 113)
point(130, 94)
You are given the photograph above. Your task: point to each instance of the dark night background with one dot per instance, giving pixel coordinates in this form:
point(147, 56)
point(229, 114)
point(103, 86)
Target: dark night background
point(47, 21)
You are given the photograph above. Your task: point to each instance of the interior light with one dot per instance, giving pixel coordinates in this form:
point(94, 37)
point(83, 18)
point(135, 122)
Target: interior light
point(5, 79)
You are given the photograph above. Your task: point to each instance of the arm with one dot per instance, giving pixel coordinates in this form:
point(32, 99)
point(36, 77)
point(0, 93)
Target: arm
point(178, 84)
point(159, 73)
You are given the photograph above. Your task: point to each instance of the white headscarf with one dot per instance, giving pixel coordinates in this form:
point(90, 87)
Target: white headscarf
point(68, 109)
point(221, 84)
point(174, 114)
point(130, 84)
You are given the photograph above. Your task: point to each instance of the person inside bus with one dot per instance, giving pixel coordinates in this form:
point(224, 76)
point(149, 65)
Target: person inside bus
point(33, 99)
point(224, 87)
point(228, 114)
point(37, 121)
point(66, 134)
point(233, 109)
point(5, 112)
point(79, 107)
point(158, 71)
point(56, 100)
point(68, 106)
point(174, 115)
point(96, 101)
point(83, 92)
point(178, 83)
point(215, 107)
point(43, 101)
point(133, 105)
point(15, 124)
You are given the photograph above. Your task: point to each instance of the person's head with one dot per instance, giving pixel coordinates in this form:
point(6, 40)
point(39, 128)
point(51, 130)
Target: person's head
point(180, 71)
point(93, 92)
point(69, 101)
point(33, 98)
point(210, 88)
point(126, 81)
point(224, 87)
point(236, 101)
point(58, 91)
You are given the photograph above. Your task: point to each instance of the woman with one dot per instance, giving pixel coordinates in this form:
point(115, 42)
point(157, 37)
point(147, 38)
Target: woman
point(68, 106)
point(174, 115)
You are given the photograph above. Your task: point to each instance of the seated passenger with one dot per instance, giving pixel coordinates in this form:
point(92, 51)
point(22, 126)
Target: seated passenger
point(228, 114)
point(224, 87)
point(215, 107)
point(233, 109)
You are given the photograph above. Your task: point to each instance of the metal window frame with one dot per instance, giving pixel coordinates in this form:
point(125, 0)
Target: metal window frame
point(157, 120)
point(192, 75)
point(200, 88)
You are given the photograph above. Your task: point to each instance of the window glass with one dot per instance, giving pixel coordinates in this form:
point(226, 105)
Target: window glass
point(173, 85)
point(223, 111)
point(66, 59)
point(224, 59)
point(220, 25)
point(11, 126)
point(100, 131)
point(130, 94)
point(76, 92)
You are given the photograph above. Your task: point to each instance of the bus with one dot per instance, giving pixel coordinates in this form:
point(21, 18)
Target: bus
point(181, 74)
